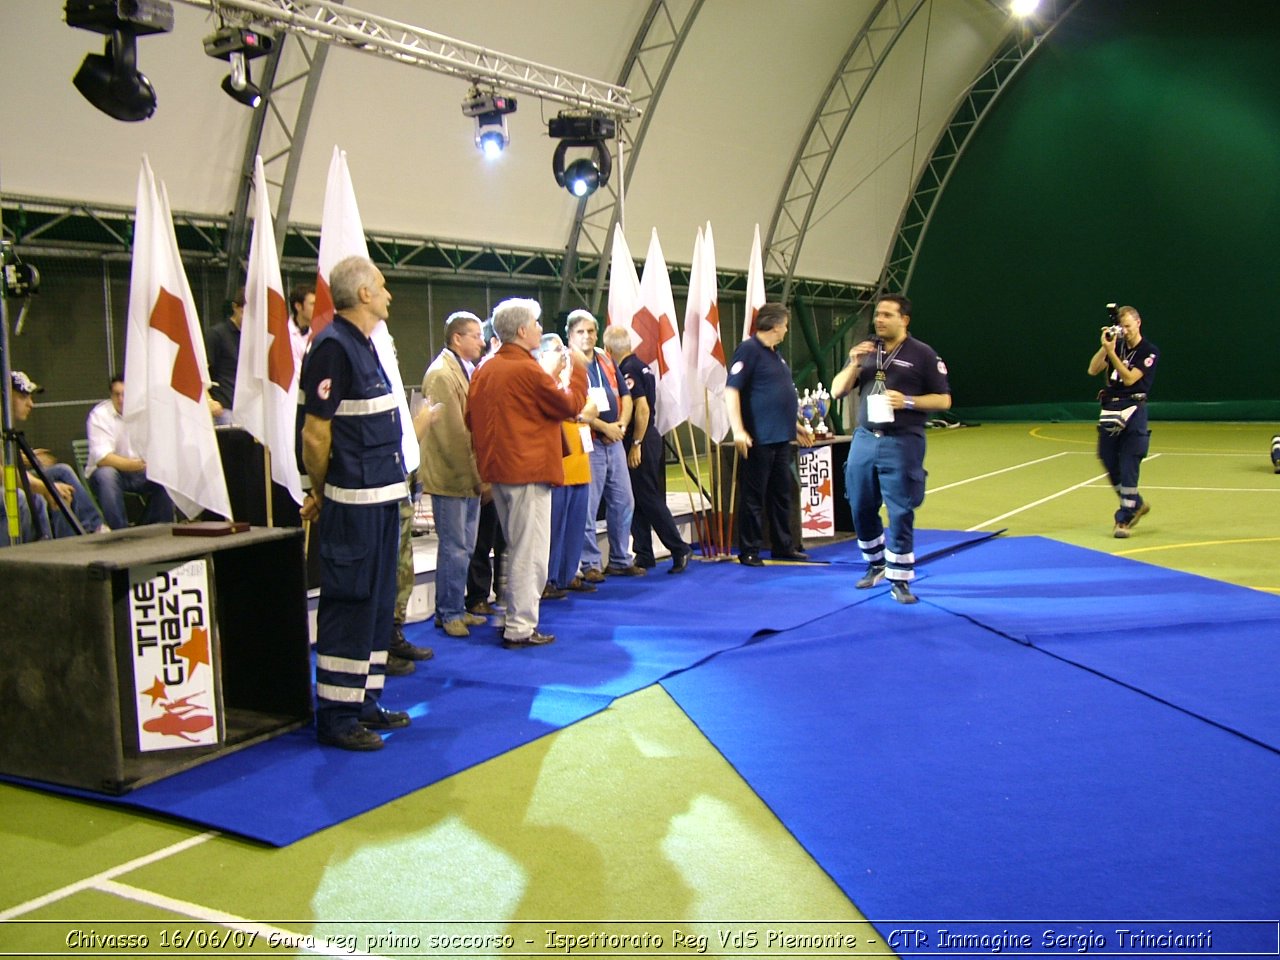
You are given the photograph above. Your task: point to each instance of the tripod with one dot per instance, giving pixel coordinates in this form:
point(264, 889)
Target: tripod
point(16, 447)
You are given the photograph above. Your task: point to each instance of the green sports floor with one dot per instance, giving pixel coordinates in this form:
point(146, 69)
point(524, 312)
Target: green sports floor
point(629, 815)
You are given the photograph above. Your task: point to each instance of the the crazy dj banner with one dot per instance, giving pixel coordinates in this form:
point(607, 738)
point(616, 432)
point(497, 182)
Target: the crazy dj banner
point(171, 640)
point(817, 508)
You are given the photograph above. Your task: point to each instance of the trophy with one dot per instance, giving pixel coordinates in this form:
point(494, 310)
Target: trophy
point(806, 407)
point(821, 407)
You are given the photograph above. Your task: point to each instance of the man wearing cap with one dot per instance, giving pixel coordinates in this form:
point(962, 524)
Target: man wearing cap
point(114, 469)
point(66, 486)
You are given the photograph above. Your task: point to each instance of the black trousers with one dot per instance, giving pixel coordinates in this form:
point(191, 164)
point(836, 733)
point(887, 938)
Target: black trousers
point(483, 573)
point(764, 494)
point(649, 488)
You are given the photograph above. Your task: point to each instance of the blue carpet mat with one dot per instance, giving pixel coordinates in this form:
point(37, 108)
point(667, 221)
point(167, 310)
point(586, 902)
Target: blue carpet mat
point(1207, 647)
point(476, 700)
point(938, 771)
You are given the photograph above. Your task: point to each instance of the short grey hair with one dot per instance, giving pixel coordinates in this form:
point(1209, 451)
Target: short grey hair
point(617, 337)
point(551, 341)
point(347, 277)
point(578, 317)
point(510, 315)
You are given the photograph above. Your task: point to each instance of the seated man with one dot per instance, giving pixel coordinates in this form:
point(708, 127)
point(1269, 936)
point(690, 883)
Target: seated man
point(66, 486)
point(114, 469)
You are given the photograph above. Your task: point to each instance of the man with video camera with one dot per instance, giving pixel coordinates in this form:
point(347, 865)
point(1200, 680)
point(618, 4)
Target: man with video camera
point(1129, 362)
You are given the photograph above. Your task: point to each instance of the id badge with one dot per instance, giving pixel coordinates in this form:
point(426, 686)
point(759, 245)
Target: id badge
point(600, 397)
point(879, 408)
point(585, 432)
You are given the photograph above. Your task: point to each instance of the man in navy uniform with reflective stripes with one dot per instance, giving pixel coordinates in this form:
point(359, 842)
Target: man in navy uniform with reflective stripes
point(901, 381)
point(350, 447)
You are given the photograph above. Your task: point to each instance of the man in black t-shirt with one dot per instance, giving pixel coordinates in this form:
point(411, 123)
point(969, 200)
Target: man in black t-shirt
point(900, 379)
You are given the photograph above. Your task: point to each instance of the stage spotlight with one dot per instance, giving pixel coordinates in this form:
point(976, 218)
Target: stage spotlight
point(239, 45)
point(110, 80)
point(1024, 8)
point(490, 111)
point(586, 174)
point(491, 135)
point(239, 84)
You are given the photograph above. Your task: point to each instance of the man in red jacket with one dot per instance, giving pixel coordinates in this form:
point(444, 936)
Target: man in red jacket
point(514, 411)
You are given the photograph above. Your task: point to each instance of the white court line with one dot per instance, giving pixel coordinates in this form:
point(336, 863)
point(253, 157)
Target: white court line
point(1146, 486)
point(106, 875)
point(996, 473)
point(1052, 496)
point(230, 920)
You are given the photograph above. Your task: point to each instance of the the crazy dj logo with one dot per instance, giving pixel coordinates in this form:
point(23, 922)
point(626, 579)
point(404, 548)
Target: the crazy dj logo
point(173, 674)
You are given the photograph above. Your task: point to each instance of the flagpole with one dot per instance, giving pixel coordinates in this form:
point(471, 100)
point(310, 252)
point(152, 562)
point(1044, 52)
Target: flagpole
point(733, 496)
point(684, 469)
point(716, 521)
point(266, 482)
point(699, 520)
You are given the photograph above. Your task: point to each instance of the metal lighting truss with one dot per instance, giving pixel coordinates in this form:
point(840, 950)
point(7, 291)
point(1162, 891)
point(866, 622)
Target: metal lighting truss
point(645, 71)
point(302, 63)
point(973, 108)
point(844, 93)
point(336, 24)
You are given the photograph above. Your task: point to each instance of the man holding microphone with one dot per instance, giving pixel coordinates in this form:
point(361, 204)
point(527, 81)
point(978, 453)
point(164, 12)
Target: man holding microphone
point(900, 381)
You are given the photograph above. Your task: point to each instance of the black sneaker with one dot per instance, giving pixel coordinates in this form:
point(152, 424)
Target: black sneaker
point(750, 560)
point(874, 574)
point(402, 648)
point(385, 720)
point(902, 592)
point(355, 738)
point(399, 666)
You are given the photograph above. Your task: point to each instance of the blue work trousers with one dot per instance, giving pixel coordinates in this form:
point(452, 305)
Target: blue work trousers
point(886, 469)
point(1122, 455)
point(359, 554)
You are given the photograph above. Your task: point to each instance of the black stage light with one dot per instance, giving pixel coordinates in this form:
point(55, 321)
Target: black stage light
point(586, 174)
point(110, 80)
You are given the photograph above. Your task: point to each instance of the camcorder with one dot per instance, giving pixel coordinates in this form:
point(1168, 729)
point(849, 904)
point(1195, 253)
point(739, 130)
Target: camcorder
point(1112, 330)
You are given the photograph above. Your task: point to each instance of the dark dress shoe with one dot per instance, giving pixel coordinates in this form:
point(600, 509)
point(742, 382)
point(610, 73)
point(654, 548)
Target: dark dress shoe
point(750, 560)
point(534, 639)
point(354, 738)
point(385, 720)
point(791, 555)
point(680, 563)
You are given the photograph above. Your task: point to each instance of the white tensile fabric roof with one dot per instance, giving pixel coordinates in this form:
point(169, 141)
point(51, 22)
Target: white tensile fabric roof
point(719, 147)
